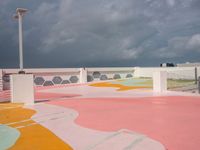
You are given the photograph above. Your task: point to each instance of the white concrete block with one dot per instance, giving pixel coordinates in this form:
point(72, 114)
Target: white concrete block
point(160, 81)
point(22, 88)
point(83, 75)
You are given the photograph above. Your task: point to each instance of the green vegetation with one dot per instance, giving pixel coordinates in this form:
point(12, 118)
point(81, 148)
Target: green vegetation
point(143, 81)
point(172, 83)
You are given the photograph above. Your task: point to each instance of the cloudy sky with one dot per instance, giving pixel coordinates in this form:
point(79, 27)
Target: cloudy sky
point(76, 33)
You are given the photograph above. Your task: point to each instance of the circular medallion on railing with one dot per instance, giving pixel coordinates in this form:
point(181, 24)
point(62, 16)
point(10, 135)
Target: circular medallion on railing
point(73, 79)
point(6, 78)
point(96, 74)
point(103, 77)
point(129, 76)
point(117, 76)
point(48, 83)
point(89, 78)
point(39, 80)
point(65, 82)
point(57, 80)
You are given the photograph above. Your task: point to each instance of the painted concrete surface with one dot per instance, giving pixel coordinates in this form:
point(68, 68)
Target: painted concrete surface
point(8, 136)
point(134, 82)
point(171, 118)
point(33, 136)
point(60, 121)
point(96, 91)
point(110, 116)
point(45, 96)
point(174, 120)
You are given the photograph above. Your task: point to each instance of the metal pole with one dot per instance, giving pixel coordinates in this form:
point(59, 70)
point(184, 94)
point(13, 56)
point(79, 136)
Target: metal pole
point(196, 78)
point(20, 42)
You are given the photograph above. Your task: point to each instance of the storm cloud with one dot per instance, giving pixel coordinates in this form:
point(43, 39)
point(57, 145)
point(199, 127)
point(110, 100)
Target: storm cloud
point(89, 33)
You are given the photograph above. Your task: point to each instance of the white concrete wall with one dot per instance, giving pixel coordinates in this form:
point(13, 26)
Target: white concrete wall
point(189, 65)
point(48, 74)
point(22, 88)
point(172, 72)
point(48, 71)
point(110, 72)
point(111, 69)
point(43, 70)
point(65, 73)
point(137, 71)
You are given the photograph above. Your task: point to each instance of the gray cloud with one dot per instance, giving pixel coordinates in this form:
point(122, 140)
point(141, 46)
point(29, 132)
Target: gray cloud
point(179, 46)
point(67, 33)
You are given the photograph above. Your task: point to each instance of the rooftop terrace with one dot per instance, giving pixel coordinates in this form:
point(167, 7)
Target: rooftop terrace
point(121, 114)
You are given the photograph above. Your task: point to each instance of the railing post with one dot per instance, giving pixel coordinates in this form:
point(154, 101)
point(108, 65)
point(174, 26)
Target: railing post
point(160, 81)
point(83, 75)
point(22, 88)
point(199, 85)
point(196, 76)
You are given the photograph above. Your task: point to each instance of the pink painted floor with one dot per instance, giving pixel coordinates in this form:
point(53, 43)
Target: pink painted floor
point(41, 96)
point(172, 120)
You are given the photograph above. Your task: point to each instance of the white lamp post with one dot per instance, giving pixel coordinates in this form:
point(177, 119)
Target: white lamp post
point(19, 15)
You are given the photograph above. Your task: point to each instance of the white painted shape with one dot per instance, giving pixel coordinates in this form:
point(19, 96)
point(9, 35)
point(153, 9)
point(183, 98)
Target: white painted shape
point(22, 88)
point(127, 140)
point(120, 141)
point(60, 121)
point(160, 81)
point(146, 144)
point(78, 137)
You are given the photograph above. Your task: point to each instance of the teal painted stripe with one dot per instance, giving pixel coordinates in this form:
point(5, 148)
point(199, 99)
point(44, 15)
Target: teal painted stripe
point(8, 136)
point(133, 82)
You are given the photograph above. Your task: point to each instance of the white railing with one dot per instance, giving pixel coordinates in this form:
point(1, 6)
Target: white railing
point(59, 76)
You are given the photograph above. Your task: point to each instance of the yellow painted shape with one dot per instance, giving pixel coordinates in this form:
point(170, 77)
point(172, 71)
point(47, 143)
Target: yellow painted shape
point(119, 86)
point(33, 136)
point(36, 137)
point(9, 105)
point(15, 114)
point(25, 123)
